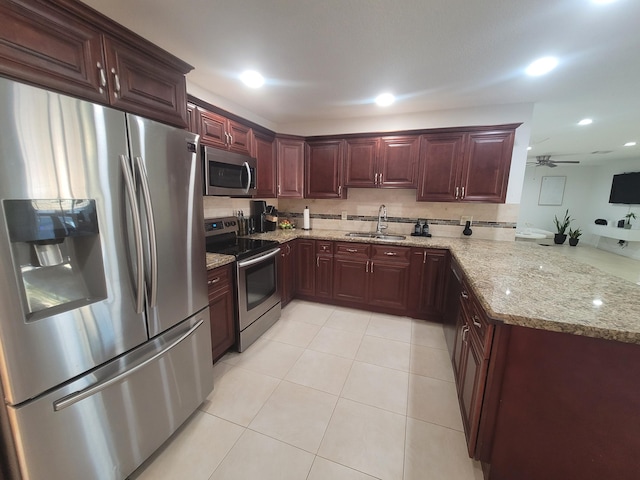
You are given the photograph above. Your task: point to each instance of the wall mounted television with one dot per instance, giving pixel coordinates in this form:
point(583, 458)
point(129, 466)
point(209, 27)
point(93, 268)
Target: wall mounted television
point(625, 188)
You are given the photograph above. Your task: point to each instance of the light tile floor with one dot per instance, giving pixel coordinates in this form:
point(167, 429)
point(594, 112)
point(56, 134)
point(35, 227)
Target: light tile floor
point(327, 393)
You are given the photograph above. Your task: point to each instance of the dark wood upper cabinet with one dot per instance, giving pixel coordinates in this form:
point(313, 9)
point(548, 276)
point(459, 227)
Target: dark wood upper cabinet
point(440, 164)
point(43, 45)
point(361, 162)
point(267, 171)
point(139, 84)
point(398, 161)
point(192, 121)
point(68, 47)
point(387, 162)
point(486, 166)
point(220, 132)
point(471, 166)
point(290, 159)
point(323, 169)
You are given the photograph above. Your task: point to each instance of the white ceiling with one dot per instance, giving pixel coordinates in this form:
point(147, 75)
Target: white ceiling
point(327, 59)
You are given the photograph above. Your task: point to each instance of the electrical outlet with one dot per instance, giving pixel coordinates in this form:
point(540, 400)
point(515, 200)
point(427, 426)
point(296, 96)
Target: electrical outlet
point(465, 219)
point(344, 215)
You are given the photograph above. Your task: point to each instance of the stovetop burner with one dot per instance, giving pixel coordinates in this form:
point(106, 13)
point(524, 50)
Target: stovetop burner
point(222, 237)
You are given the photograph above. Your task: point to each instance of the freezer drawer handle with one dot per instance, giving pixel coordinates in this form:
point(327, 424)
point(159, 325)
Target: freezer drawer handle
point(151, 228)
point(98, 387)
point(137, 229)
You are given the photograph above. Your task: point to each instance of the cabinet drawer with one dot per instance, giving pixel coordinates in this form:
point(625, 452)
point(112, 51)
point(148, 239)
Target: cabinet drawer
point(352, 250)
point(220, 277)
point(390, 252)
point(324, 246)
point(479, 326)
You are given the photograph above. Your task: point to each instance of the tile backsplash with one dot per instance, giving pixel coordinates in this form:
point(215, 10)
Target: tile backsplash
point(490, 221)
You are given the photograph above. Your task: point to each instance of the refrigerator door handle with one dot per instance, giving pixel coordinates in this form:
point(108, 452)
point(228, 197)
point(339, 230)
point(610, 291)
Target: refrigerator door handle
point(98, 387)
point(137, 230)
point(151, 228)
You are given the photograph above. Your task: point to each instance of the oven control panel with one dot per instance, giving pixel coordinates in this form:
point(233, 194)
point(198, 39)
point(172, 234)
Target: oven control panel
point(217, 226)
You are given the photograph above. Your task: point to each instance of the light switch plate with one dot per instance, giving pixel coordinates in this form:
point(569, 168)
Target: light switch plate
point(344, 215)
point(465, 219)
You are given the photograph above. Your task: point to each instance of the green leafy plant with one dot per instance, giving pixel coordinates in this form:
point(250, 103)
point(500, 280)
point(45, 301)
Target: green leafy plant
point(629, 216)
point(562, 225)
point(575, 233)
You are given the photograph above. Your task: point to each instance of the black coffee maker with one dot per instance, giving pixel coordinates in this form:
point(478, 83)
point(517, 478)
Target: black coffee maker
point(258, 212)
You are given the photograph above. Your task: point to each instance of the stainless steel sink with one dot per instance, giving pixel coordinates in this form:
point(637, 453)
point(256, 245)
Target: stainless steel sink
point(377, 236)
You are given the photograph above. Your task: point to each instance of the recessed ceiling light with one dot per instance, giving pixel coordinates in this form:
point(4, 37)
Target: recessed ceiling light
point(385, 99)
point(630, 144)
point(542, 66)
point(585, 121)
point(252, 79)
point(597, 302)
point(529, 148)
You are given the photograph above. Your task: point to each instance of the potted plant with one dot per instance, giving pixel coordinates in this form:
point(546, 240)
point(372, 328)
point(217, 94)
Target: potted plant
point(629, 216)
point(574, 236)
point(561, 227)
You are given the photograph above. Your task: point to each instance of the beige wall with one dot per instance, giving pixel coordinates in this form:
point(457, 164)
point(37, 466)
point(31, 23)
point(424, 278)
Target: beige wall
point(401, 205)
point(402, 210)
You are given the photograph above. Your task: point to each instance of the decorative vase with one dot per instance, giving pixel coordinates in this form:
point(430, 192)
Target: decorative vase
point(559, 238)
point(627, 226)
point(573, 241)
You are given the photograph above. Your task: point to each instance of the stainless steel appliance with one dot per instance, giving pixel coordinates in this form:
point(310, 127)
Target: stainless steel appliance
point(228, 174)
point(104, 335)
point(256, 275)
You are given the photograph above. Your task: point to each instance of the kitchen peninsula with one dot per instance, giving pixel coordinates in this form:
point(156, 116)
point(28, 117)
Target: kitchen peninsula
point(554, 392)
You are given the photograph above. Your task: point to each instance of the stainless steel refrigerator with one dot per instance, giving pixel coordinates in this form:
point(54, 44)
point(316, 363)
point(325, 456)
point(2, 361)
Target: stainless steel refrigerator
point(105, 343)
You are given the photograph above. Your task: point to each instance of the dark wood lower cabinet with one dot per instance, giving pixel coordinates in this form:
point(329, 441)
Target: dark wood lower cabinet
point(350, 280)
point(305, 268)
point(428, 283)
point(221, 309)
point(287, 272)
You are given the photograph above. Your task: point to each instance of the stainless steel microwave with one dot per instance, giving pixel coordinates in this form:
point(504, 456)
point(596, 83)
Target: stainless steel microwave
point(228, 174)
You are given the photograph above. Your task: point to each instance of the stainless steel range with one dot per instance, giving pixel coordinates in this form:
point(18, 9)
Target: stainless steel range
point(256, 277)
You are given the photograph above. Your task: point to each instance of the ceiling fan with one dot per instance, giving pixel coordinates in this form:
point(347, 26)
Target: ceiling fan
point(545, 161)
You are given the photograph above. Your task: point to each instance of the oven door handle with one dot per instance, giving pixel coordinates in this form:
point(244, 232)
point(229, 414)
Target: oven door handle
point(253, 261)
point(246, 165)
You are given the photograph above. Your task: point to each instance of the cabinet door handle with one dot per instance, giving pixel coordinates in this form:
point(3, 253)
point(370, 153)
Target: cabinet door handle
point(103, 76)
point(375, 182)
point(366, 268)
point(476, 321)
point(371, 266)
point(288, 249)
point(213, 281)
point(462, 196)
point(424, 257)
point(278, 189)
point(390, 254)
point(116, 81)
point(318, 261)
point(457, 192)
point(464, 294)
point(339, 190)
point(352, 250)
point(465, 330)
point(230, 139)
point(380, 180)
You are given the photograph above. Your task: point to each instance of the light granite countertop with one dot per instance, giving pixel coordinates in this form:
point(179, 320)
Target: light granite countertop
point(215, 260)
point(530, 285)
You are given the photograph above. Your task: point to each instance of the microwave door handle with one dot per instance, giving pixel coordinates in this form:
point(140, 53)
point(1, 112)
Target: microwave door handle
point(137, 229)
point(151, 228)
point(253, 261)
point(246, 165)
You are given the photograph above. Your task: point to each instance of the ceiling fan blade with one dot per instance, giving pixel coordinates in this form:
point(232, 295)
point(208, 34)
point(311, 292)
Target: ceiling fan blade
point(551, 165)
point(565, 161)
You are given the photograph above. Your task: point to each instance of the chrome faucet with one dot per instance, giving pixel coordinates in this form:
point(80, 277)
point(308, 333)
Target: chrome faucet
point(382, 212)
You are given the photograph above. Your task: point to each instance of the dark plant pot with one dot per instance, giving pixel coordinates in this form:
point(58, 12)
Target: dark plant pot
point(559, 238)
point(573, 241)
